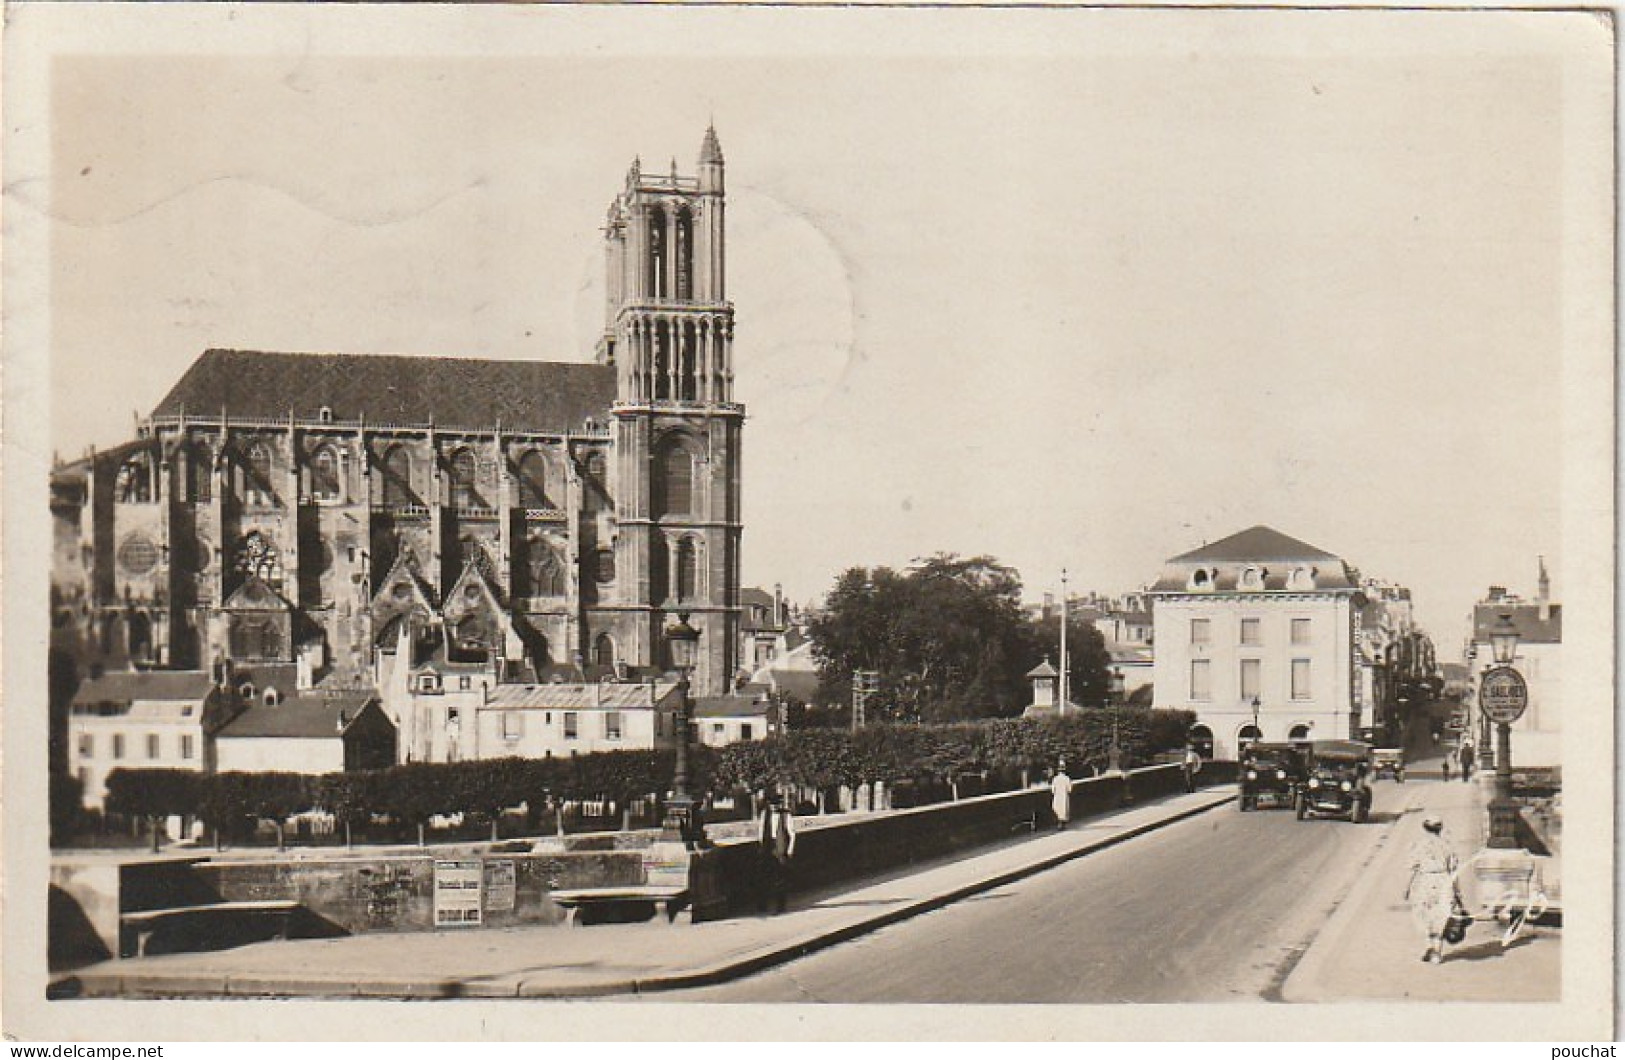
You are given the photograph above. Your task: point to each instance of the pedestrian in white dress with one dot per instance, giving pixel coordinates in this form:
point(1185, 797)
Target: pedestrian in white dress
point(1060, 787)
point(1432, 890)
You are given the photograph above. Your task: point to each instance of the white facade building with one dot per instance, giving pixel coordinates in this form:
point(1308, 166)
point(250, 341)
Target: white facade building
point(547, 720)
point(151, 720)
point(1537, 737)
point(1256, 634)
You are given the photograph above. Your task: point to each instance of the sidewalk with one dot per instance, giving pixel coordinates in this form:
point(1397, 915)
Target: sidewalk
point(606, 959)
point(1370, 949)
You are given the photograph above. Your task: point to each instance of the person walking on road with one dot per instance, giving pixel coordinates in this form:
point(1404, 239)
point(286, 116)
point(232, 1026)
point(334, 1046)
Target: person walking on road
point(777, 839)
point(1466, 761)
point(1447, 758)
point(1192, 766)
point(1060, 787)
point(1432, 890)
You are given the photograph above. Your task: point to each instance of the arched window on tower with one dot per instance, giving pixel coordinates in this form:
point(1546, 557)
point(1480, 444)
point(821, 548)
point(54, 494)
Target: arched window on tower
point(324, 474)
point(688, 569)
point(257, 475)
point(685, 255)
point(673, 480)
point(133, 485)
point(464, 480)
point(200, 471)
point(398, 477)
point(603, 650)
point(686, 376)
point(533, 485)
point(656, 274)
point(662, 360)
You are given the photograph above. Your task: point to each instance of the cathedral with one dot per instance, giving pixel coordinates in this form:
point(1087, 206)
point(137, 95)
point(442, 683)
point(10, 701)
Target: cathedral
point(544, 521)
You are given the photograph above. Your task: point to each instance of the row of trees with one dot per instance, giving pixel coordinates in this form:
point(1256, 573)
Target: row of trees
point(816, 759)
point(948, 640)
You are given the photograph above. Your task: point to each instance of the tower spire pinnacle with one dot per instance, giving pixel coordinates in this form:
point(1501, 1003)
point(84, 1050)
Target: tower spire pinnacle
point(710, 148)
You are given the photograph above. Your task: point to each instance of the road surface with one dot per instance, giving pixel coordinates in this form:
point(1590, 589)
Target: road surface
point(1215, 908)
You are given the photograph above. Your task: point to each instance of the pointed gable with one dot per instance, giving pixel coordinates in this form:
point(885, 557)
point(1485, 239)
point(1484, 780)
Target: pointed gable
point(475, 620)
point(401, 595)
point(256, 594)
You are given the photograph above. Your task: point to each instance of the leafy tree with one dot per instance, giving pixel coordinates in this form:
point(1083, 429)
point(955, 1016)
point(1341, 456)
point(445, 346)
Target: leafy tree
point(947, 639)
point(152, 794)
point(349, 797)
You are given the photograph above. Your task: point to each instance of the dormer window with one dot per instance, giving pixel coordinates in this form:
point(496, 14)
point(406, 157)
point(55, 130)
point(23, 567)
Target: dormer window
point(1301, 578)
point(325, 414)
point(1252, 579)
point(272, 697)
point(1202, 580)
point(246, 690)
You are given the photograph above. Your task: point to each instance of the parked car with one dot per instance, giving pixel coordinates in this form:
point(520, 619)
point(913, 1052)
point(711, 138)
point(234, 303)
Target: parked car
point(1337, 781)
point(1388, 762)
point(1270, 775)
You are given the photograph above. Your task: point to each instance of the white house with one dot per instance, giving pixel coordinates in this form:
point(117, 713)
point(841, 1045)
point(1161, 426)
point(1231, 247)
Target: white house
point(547, 719)
point(1256, 634)
point(722, 720)
point(146, 720)
point(307, 732)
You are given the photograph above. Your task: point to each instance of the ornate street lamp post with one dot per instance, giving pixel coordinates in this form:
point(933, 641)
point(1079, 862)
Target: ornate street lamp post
point(1258, 734)
point(682, 641)
point(1114, 698)
point(1503, 695)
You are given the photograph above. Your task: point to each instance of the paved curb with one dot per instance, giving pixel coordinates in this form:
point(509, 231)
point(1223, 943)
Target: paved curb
point(1302, 986)
point(136, 985)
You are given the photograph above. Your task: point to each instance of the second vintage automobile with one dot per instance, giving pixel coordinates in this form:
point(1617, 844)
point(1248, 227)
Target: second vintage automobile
point(1337, 781)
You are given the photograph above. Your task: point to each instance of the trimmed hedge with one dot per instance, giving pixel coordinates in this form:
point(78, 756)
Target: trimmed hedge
point(946, 754)
point(916, 755)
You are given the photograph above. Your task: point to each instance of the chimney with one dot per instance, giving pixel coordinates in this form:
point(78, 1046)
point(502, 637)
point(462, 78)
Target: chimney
point(778, 606)
point(1545, 592)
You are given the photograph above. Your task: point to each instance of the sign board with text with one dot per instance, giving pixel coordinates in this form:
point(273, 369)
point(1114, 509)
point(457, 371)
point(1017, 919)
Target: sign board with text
point(1503, 694)
point(457, 888)
point(501, 885)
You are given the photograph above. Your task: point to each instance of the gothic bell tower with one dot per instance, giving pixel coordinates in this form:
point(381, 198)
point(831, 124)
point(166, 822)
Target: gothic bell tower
point(669, 334)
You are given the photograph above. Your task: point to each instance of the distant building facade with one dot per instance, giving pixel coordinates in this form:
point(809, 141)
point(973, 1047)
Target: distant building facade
point(500, 517)
point(1537, 737)
point(1257, 635)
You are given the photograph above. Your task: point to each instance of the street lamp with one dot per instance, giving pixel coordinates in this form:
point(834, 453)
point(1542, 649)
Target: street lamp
point(1114, 699)
point(682, 642)
point(1258, 734)
point(1503, 811)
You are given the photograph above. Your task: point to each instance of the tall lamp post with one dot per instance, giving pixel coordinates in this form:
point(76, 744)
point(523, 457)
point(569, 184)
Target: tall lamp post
point(1258, 734)
point(682, 641)
point(1503, 696)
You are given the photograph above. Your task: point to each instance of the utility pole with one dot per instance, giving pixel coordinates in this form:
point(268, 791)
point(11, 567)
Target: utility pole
point(864, 683)
point(1064, 669)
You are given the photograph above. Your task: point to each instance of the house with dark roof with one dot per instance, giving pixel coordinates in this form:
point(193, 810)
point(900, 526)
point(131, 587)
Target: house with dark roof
point(152, 720)
point(519, 514)
point(722, 720)
point(1255, 634)
point(308, 732)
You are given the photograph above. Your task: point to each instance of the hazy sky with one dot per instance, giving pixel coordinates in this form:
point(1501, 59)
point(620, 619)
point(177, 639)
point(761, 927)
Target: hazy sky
point(1062, 287)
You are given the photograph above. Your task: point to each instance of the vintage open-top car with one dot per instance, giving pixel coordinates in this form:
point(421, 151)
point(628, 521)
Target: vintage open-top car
point(1270, 775)
point(1337, 781)
point(1388, 762)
